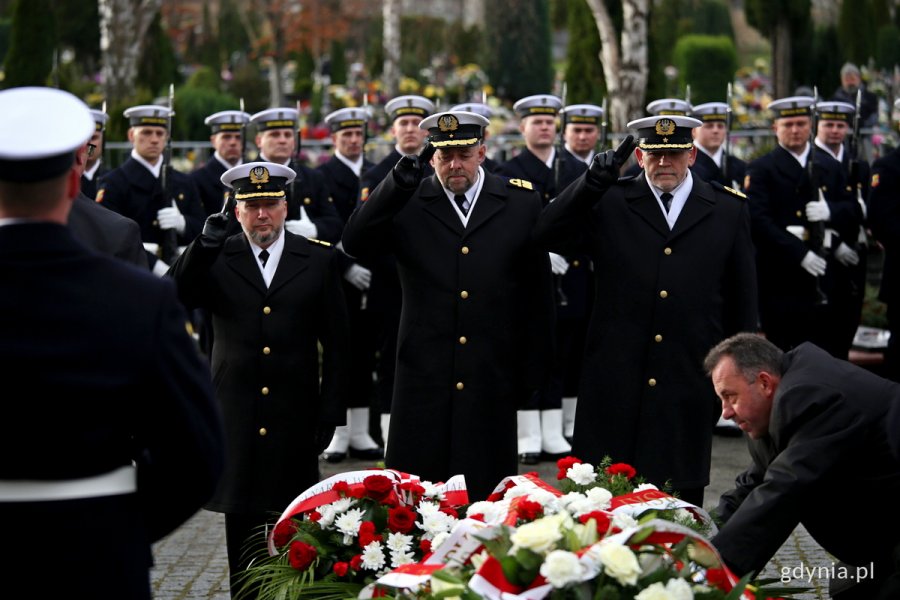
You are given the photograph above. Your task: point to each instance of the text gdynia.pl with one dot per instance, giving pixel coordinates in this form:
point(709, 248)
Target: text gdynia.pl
point(833, 571)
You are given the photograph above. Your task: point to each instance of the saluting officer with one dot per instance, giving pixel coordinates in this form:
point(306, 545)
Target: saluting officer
point(710, 141)
point(479, 108)
point(671, 107)
point(94, 169)
point(133, 189)
point(674, 272)
point(311, 212)
point(227, 127)
point(342, 172)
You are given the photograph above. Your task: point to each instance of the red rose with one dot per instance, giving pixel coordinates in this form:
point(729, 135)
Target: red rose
point(314, 516)
point(378, 487)
point(564, 464)
point(401, 519)
point(425, 545)
point(601, 518)
point(621, 469)
point(367, 534)
point(529, 509)
point(301, 555)
point(283, 533)
point(341, 568)
point(356, 562)
point(342, 488)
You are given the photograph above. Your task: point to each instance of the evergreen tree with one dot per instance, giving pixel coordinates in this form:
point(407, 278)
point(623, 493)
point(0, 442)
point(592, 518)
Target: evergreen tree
point(32, 44)
point(855, 26)
point(517, 54)
point(158, 66)
point(78, 31)
point(707, 63)
point(338, 63)
point(778, 21)
point(303, 82)
point(584, 72)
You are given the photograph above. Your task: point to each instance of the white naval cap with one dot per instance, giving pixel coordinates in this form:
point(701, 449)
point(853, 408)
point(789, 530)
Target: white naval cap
point(538, 104)
point(710, 111)
point(479, 108)
point(793, 106)
point(149, 114)
point(227, 120)
point(275, 118)
point(258, 180)
point(347, 118)
point(454, 128)
point(100, 119)
point(831, 110)
point(405, 106)
point(665, 132)
point(582, 114)
point(40, 129)
point(670, 106)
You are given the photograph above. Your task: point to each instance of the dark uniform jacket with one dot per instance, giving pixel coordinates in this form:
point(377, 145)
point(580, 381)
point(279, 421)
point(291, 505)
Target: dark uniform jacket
point(310, 191)
point(272, 400)
point(106, 232)
point(667, 297)
point(884, 219)
point(109, 376)
point(525, 165)
point(89, 186)
point(705, 168)
point(827, 452)
point(132, 191)
point(475, 327)
point(343, 185)
point(209, 185)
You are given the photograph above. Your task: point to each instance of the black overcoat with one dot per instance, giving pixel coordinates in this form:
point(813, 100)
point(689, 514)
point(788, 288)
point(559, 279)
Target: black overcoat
point(272, 400)
point(343, 185)
point(884, 219)
point(663, 299)
point(475, 328)
point(208, 180)
point(106, 231)
point(705, 168)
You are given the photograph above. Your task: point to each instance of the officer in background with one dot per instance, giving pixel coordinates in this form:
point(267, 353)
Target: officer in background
point(582, 130)
point(884, 219)
point(110, 437)
point(540, 424)
point(94, 170)
point(227, 127)
point(383, 297)
point(311, 212)
point(133, 189)
point(790, 223)
point(709, 139)
point(342, 173)
point(479, 108)
point(672, 107)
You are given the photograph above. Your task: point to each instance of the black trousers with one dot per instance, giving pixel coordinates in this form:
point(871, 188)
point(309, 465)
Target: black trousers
point(245, 538)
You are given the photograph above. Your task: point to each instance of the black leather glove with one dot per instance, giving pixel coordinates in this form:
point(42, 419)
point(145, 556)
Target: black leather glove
point(410, 169)
point(215, 230)
point(605, 167)
point(323, 436)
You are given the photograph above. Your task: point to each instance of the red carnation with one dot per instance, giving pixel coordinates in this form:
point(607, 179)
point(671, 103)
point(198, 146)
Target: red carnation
point(601, 518)
point(283, 533)
point(564, 464)
point(378, 487)
point(401, 519)
point(301, 555)
point(425, 545)
point(341, 568)
point(342, 488)
point(315, 516)
point(367, 534)
point(529, 509)
point(621, 469)
point(356, 562)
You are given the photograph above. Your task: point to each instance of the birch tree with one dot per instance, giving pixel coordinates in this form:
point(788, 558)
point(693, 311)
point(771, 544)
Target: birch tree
point(390, 75)
point(123, 26)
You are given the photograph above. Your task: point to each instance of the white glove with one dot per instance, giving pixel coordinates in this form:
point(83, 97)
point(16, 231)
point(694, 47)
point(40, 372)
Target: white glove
point(846, 255)
point(813, 264)
point(558, 264)
point(818, 211)
point(171, 218)
point(359, 277)
point(160, 268)
point(302, 226)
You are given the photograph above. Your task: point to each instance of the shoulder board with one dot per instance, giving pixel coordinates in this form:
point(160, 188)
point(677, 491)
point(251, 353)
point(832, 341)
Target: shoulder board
point(100, 193)
point(521, 183)
point(320, 242)
point(725, 188)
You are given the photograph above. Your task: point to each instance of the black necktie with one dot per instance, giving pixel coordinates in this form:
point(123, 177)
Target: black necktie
point(462, 203)
point(263, 257)
point(666, 198)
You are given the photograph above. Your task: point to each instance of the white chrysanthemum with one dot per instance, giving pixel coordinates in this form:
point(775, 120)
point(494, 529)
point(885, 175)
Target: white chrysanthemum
point(373, 556)
point(645, 486)
point(343, 504)
point(561, 568)
point(399, 542)
point(348, 523)
point(674, 589)
point(599, 497)
point(327, 516)
point(401, 558)
point(582, 473)
point(439, 539)
point(618, 561)
point(428, 508)
point(436, 523)
point(431, 490)
point(623, 521)
point(542, 497)
point(492, 512)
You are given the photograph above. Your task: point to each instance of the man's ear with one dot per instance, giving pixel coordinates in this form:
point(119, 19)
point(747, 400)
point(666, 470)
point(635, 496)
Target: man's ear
point(640, 156)
point(768, 381)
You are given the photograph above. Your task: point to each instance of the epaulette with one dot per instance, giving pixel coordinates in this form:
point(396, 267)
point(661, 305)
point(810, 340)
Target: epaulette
point(521, 183)
point(725, 188)
point(320, 242)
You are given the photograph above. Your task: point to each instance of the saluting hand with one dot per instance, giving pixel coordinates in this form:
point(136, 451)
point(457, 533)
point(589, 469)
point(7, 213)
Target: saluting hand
point(605, 167)
point(410, 169)
point(215, 230)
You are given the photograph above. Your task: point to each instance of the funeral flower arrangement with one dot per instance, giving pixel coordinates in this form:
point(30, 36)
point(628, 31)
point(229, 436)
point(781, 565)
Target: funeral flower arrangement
point(605, 536)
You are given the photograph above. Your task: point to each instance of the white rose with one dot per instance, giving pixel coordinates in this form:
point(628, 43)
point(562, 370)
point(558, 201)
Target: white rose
point(582, 473)
point(561, 568)
point(538, 536)
point(490, 510)
point(674, 589)
point(618, 561)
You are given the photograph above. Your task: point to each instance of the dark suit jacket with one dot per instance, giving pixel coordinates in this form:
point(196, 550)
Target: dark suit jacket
point(272, 402)
point(525, 165)
point(706, 169)
point(211, 190)
point(310, 191)
point(106, 232)
point(475, 328)
point(664, 298)
point(89, 186)
point(343, 185)
point(827, 452)
point(109, 376)
point(884, 219)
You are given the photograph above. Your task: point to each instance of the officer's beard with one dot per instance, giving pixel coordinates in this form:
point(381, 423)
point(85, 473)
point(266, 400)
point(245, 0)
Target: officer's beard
point(264, 239)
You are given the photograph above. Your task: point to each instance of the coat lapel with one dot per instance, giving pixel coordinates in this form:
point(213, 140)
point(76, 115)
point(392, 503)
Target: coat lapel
point(699, 204)
point(490, 201)
point(642, 202)
point(293, 260)
point(436, 204)
point(239, 257)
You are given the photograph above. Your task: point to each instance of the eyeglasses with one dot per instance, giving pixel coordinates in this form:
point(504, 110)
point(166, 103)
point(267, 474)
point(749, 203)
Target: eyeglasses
point(90, 149)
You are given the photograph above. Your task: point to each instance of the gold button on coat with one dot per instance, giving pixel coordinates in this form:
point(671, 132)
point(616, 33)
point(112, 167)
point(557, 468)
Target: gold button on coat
point(464, 294)
point(307, 201)
point(667, 251)
point(462, 339)
point(266, 310)
point(651, 382)
point(265, 391)
point(459, 385)
point(576, 263)
point(657, 338)
point(267, 350)
point(465, 250)
point(262, 431)
point(664, 294)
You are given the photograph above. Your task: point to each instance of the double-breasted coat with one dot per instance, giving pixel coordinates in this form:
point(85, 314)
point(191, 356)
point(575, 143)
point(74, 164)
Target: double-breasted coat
point(475, 327)
point(665, 297)
point(106, 231)
point(265, 363)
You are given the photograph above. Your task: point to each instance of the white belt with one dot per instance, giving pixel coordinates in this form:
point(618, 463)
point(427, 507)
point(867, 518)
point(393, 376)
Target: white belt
point(118, 481)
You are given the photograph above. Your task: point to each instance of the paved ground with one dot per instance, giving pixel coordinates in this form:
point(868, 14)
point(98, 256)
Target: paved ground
point(191, 562)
